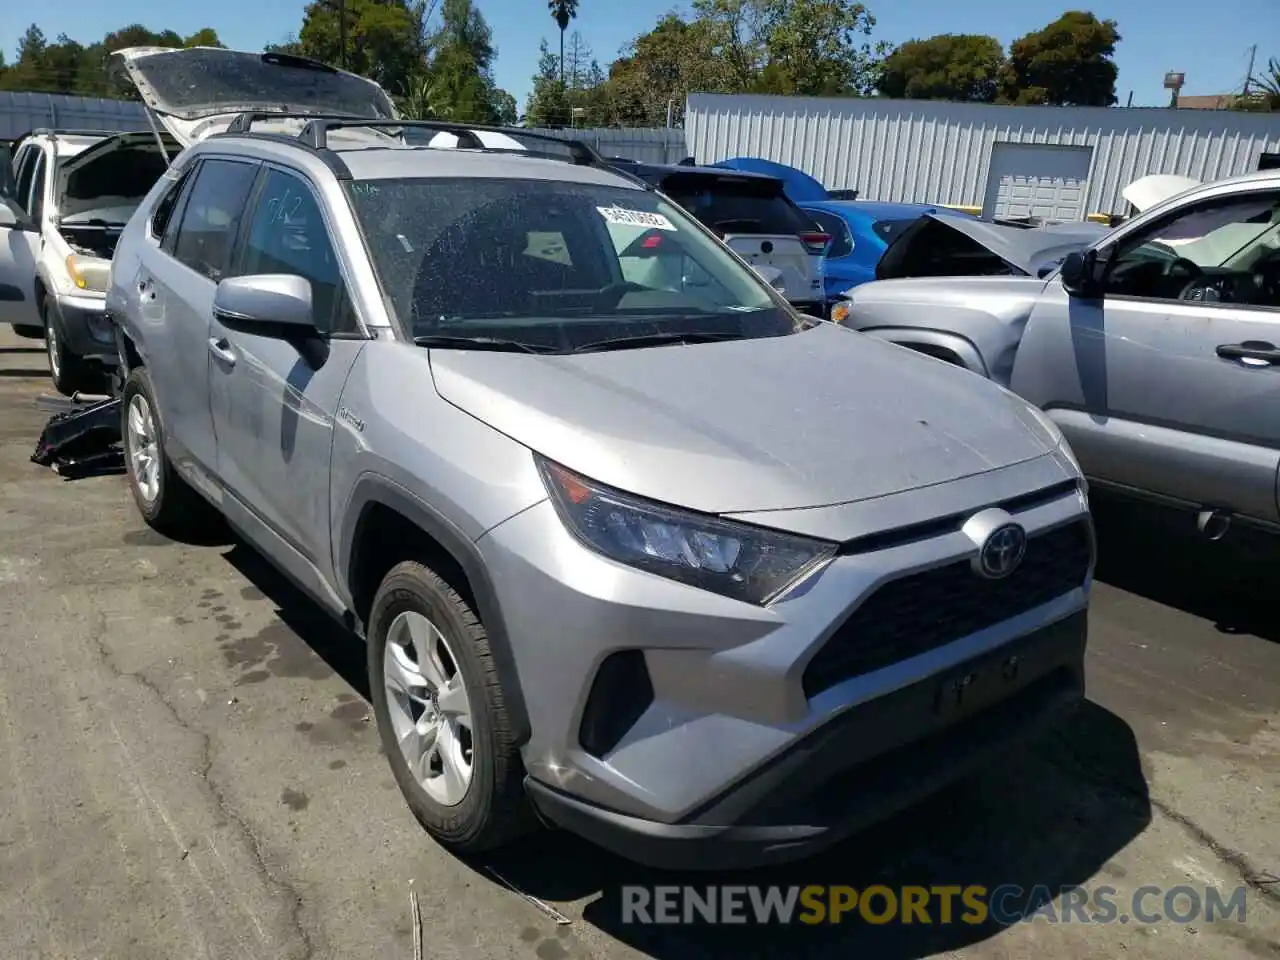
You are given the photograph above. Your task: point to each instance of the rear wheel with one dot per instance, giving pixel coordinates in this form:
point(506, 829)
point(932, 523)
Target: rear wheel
point(167, 503)
point(441, 713)
point(70, 372)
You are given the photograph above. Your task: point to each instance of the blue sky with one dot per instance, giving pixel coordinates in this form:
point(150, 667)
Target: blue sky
point(1207, 41)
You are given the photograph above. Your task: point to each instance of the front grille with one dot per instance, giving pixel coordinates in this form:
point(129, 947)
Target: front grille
point(910, 616)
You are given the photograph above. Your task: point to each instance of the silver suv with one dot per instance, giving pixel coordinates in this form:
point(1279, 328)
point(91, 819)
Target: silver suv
point(676, 568)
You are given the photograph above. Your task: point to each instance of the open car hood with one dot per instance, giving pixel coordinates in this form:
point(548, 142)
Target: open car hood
point(941, 245)
point(198, 91)
point(1146, 192)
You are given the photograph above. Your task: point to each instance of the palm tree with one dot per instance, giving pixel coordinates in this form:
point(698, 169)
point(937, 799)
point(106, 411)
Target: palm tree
point(562, 11)
point(1268, 84)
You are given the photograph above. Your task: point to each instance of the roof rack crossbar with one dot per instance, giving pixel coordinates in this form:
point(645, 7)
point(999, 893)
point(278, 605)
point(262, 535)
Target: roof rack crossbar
point(315, 134)
point(244, 121)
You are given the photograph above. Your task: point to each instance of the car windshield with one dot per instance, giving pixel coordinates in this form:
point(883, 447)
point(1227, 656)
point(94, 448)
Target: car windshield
point(554, 266)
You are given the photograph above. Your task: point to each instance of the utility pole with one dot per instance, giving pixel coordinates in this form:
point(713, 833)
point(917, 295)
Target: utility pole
point(1248, 77)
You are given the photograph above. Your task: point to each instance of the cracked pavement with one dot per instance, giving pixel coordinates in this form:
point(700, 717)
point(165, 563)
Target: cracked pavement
point(188, 767)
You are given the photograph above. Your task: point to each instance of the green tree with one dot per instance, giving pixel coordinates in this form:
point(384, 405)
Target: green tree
point(562, 12)
point(456, 83)
point(384, 40)
point(802, 47)
point(945, 67)
point(67, 66)
point(661, 68)
point(1068, 63)
point(580, 99)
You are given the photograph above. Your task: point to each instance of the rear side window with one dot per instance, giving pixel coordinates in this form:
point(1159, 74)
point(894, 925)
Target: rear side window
point(837, 230)
point(211, 215)
point(163, 215)
point(737, 205)
point(889, 230)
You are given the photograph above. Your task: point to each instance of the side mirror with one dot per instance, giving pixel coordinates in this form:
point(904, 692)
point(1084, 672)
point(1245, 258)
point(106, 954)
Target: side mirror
point(12, 216)
point(1079, 273)
point(269, 304)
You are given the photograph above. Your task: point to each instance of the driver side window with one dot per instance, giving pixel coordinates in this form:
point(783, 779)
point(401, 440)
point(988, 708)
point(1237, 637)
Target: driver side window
point(1225, 250)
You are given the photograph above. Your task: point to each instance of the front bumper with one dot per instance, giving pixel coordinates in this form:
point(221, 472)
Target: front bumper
point(86, 328)
point(654, 701)
point(870, 762)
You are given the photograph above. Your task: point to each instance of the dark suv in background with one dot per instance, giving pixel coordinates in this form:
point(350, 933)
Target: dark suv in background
point(755, 217)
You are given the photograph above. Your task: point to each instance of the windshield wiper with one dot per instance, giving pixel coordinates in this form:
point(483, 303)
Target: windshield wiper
point(446, 342)
point(655, 340)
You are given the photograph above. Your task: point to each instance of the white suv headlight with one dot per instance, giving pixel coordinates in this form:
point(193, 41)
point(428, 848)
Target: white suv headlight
point(732, 559)
point(89, 274)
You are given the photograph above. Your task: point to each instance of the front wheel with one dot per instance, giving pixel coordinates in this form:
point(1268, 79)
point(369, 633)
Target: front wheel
point(69, 371)
point(441, 713)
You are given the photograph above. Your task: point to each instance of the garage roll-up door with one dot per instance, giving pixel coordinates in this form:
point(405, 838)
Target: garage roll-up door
point(1037, 180)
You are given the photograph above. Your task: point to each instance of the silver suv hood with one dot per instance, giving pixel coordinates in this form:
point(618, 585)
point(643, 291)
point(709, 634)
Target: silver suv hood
point(822, 417)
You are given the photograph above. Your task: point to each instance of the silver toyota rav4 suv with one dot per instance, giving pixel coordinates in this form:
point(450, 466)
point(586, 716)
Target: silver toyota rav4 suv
point(664, 563)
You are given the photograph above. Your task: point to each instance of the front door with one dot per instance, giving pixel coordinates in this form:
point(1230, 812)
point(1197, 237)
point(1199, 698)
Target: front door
point(1169, 382)
point(20, 242)
point(274, 401)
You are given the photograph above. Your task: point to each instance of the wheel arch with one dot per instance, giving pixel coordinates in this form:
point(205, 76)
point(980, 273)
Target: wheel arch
point(379, 507)
point(950, 347)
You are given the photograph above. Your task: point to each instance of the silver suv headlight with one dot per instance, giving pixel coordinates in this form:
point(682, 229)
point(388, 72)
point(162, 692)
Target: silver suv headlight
point(735, 560)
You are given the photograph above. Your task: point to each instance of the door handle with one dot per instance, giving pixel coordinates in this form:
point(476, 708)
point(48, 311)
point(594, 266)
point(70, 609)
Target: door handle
point(145, 289)
point(221, 349)
point(1252, 353)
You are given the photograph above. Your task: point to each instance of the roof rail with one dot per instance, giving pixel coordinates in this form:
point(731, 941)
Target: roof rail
point(71, 132)
point(315, 134)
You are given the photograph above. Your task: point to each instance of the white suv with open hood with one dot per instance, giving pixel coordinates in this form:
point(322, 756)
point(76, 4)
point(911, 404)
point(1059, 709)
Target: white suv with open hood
point(66, 195)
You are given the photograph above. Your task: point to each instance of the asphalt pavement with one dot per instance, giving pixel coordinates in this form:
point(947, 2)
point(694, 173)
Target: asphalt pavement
point(189, 768)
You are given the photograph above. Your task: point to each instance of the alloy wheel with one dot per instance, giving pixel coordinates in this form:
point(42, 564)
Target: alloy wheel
point(429, 707)
point(144, 450)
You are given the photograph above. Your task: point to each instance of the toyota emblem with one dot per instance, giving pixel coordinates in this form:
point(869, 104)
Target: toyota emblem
point(1002, 551)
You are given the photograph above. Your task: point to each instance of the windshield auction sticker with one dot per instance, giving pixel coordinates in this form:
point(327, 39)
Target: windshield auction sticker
point(635, 218)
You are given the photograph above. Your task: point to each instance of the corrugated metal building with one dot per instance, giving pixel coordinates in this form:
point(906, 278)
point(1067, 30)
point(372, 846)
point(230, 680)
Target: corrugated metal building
point(1056, 162)
point(22, 112)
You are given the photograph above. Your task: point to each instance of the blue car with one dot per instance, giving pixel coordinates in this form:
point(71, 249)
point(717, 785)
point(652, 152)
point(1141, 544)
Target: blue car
point(860, 231)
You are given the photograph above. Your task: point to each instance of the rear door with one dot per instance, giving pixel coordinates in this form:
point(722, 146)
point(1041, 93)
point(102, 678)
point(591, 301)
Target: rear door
point(20, 244)
point(175, 285)
point(754, 217)
point(1169, 382)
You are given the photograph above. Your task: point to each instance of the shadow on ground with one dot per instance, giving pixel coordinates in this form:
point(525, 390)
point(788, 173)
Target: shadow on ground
point(1049, 817)
point(1157, 553)
point(334, 644)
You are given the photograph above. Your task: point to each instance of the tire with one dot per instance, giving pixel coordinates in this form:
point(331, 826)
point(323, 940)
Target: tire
point(69, 372)
point(167, 503)
point(493, 809)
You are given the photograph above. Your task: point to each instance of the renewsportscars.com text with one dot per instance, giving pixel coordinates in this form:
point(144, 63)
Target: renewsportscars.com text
point(974, 905)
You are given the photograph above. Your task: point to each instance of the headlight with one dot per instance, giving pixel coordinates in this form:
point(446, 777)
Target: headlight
point(89, 273)
point(732, 559)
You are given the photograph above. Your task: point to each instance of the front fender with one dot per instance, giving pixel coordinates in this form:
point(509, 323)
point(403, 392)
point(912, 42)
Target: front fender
point(372, 490)
point(963, 349)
